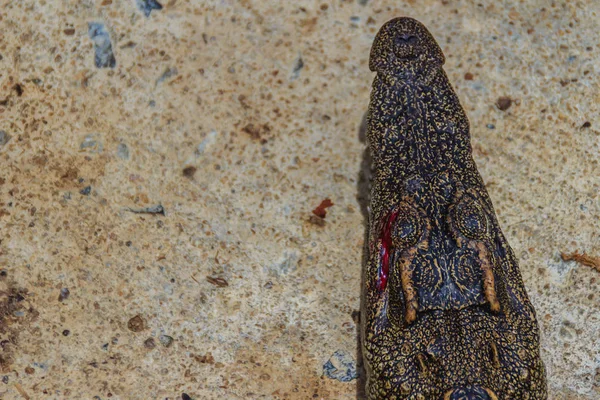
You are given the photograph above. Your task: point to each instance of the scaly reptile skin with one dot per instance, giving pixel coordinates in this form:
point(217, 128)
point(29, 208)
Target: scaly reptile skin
point(445, 312)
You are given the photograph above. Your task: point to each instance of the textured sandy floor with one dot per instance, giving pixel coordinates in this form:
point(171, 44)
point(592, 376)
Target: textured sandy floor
point(239, 118)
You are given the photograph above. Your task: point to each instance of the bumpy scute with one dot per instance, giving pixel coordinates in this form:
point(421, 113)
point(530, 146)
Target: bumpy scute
point(445, 312)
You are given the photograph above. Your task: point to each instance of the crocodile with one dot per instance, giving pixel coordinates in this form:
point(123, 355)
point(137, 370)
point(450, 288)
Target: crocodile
point(445, 314)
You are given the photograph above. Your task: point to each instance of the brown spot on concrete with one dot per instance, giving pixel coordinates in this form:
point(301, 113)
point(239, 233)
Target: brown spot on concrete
point(318, 221)
point(11, 322)
point(504, 103)
point(136, 324)
point(189, 172)
point(217, 281)
point(205, 359)
point(256, 131)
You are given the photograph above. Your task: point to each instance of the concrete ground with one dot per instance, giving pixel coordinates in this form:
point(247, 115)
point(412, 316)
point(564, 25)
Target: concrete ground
point(159, 168)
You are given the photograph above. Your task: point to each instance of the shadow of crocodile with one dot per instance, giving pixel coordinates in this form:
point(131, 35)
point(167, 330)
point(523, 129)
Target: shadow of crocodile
point(363, 188)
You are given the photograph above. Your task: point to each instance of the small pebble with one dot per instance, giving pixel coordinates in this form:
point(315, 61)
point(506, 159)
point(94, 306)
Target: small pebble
point(103, 53)
point(169, 72)
point(165, 340)
point(64, 294)
point(86, 191)
point(147, 6)
point(491, 126)
point(4, 138)
point(298, 65)
point(340, 366)
point(88, 142)
point(149, 343)
point(123, 151)
point(66, 332)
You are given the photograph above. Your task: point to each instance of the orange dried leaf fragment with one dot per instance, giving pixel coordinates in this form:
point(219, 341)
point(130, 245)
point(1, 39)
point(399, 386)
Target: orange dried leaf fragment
point(321, 210)
point(585, 259)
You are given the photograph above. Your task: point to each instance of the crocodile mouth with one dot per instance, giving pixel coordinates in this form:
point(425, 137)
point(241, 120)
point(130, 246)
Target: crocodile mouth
point(470, 393)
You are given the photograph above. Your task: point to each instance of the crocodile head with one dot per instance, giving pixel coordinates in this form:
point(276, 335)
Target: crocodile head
point(445, 312)
point(404, 46)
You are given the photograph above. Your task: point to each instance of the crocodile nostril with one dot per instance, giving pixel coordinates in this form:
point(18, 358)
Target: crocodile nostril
point(407, 39)
point(406, 46)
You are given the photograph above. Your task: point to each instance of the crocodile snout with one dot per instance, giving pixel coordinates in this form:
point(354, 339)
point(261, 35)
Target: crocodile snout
point(470, 393)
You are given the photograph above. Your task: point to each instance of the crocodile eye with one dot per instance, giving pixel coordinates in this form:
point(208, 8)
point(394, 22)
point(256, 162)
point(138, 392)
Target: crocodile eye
point(406, 230)
point(401, 229)
point(470, 219)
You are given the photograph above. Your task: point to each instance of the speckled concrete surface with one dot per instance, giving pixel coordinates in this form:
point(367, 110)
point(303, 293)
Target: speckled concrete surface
point(239, 118)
